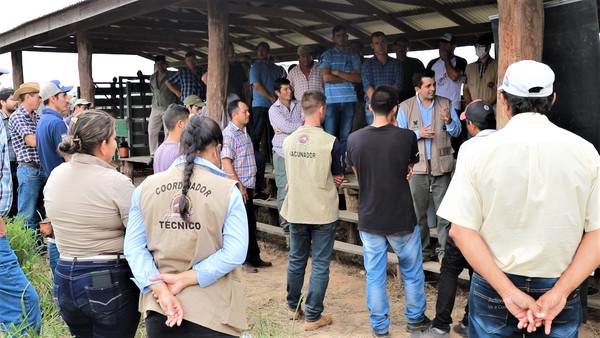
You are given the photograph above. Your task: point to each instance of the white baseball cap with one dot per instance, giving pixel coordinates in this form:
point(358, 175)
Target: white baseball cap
point(528, 78)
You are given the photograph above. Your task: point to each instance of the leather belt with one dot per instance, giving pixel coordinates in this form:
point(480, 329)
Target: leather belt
point(109, 257)
point(30, 164)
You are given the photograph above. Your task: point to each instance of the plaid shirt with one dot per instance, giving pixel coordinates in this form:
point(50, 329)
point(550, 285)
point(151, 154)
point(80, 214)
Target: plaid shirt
point(302, 84)
point(373, 74)
point(237, 146)
point(284, 122)
point(5, 178)
point(21, 124)
point(190, 83)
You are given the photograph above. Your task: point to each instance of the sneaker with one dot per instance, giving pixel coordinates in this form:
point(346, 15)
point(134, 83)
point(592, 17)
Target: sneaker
point(434, 332)
point(379, 335)
point(324, 320)
point(295, 315)
point(419, 327)
point(461, 329)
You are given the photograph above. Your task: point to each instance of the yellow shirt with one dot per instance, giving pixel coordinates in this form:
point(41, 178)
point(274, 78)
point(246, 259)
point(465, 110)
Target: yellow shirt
point(530, 190)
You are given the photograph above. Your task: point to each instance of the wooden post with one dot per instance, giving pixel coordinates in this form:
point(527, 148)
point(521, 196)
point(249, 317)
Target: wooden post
point(17, 68)
point(521, 37)
point(84, 53)
point(218, 67)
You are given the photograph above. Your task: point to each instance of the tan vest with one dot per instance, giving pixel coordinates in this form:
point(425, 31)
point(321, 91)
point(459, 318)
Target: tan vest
point(479, 88)
point(177, 245)
point(312, 196)
point(442, 160)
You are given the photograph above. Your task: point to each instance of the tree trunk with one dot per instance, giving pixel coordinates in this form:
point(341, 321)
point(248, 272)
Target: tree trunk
point(17, 69)
point(218, 67)
point(84, 53)
point(521, 37)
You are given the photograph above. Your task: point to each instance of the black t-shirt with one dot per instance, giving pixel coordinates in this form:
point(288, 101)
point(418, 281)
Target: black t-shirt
point(381, 157)
point(236, 79)
point(409, 66)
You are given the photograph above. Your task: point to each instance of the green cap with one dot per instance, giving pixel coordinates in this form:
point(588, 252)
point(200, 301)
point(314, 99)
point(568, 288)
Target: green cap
point(193, 100)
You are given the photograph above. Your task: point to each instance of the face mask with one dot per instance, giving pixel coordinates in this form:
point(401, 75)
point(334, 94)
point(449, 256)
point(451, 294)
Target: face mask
point(480, 52)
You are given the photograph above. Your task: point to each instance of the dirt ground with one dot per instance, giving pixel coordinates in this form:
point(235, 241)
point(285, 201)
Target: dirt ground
point(345, 299)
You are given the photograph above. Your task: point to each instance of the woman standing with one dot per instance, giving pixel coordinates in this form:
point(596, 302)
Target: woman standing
point(88, 201)
point(186, 239)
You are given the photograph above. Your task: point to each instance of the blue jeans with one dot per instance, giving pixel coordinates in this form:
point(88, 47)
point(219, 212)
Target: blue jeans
point(368, 114)
point(488, 317)
point(338, 120)
point(19, 298)
point(280, 182)
point(31, 199)
point(304, 239)
point(408, 249)
point(97, 312)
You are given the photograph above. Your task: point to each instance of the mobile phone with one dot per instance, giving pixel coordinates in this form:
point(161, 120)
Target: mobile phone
point(101, 279)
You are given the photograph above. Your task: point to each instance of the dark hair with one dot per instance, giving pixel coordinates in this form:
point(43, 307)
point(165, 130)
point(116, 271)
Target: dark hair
point(190, 54)
point(264, 45)
point(488, 124)
point(384, 99)
point(200, 133)
point(174, 113)
point(338, 28)
point(87, 131)
point(5, 93)
point(419, 74)
point(233, 106)
point(520, 104)
point(311, 100)
point(280, 82)
point(378, 34)
point(402, 39)
point(160, 58)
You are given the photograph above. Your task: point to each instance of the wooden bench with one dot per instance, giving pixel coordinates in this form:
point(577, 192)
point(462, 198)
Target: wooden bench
point(126, 164)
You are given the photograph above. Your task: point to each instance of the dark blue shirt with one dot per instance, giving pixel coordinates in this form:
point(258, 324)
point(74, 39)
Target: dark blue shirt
point(49, 133)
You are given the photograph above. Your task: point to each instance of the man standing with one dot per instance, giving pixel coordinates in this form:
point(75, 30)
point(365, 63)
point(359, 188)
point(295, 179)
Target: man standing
point(188, 80)
point(237, 81)
point(434, 123)
point(79, 107)
point(162, 97)
point(307, 76)
point(286, 116)
point(381, 156)
point(409, 66)
point(379, 70)
point(481, 75)
point(32, 178)
point(341, 69)
point(238, 161)
point(176, 117)
point(481, 122)
point(549, 196)
point(449, 70)
point(263, 74)
point(8, 105)
point(194, 104)
point(20, 306)
point(314, 166)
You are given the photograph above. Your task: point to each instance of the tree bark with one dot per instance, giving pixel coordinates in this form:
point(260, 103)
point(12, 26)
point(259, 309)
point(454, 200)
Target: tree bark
point(84, 53)
point(521, 37)
point(218, 67)
point(17, 69)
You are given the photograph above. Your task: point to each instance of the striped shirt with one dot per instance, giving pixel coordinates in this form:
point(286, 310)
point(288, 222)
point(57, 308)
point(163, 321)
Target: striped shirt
point(21, 124)
point(5, 178)
point(301, 83)
point(190, 83)
point(284, 121)
point(344, 61)
point(237, 146)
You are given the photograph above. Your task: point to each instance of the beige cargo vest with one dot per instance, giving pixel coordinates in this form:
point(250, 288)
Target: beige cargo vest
point(312, 196)
point(442, 160)
point(177, 245)
point(479, 88)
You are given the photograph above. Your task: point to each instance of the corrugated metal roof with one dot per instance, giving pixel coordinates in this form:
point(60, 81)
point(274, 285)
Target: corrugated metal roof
point(375, 26)
point(479, 14)
point(428, 21)
point(392, 7)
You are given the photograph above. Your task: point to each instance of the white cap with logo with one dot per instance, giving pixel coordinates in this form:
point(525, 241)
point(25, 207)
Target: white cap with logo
point(528, 78)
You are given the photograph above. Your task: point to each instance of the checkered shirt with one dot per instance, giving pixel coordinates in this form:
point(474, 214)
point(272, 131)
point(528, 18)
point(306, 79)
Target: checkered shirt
point(237, 146)
point(190, 83)
point(301, 84)
point(21, 124)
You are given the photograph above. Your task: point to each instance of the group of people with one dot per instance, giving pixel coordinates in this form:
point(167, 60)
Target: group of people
point(184, 236)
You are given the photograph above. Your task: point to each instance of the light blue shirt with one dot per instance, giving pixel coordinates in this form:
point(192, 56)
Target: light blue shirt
point(344, 61)
point(453, 129)
point(231, 255)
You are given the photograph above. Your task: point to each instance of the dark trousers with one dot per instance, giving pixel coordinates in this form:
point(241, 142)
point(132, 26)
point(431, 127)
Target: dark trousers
point(453, 264)
point(253, 256)
point(14, 208)
point(156, 328)
point(259, 121)
point(261, 163)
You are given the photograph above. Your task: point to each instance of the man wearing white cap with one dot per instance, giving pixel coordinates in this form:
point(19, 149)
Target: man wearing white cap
point(79, 106)
point(525, 211)
point(449, 70)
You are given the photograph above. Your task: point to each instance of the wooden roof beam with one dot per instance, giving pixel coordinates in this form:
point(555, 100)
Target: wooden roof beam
point(443, 10)
point(307, 33)
point(383, 15)
point(268, 36)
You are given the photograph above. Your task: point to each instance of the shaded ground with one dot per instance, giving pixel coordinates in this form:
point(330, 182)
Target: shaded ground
point(345, 299)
